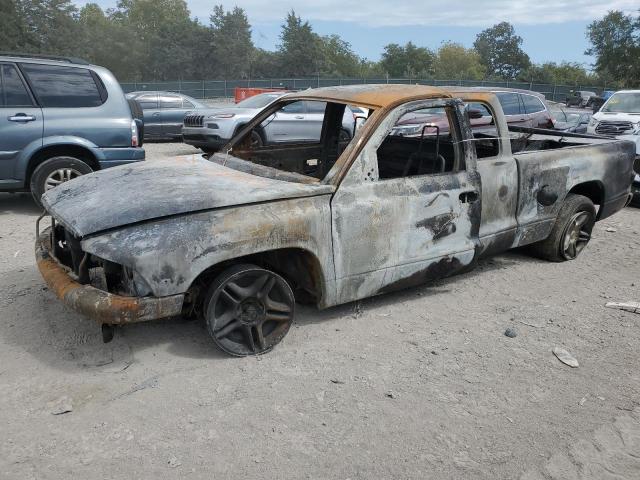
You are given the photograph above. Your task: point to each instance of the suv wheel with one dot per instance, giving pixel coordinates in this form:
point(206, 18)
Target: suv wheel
point(53, 172)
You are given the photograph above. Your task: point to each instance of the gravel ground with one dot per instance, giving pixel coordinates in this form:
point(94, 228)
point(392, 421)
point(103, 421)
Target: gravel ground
point(419, 384)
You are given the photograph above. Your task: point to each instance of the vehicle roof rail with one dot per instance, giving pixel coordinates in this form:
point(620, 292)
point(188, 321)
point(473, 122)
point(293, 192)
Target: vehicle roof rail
point(59, 58)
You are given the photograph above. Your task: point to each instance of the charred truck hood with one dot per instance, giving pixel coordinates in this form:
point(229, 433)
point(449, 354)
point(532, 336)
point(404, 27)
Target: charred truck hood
point(126, 195)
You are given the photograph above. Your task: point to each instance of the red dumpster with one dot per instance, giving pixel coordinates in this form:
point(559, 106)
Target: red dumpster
point(242, 93)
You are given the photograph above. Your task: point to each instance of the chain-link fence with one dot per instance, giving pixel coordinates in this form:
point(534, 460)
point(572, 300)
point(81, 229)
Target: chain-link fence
point(225, 88)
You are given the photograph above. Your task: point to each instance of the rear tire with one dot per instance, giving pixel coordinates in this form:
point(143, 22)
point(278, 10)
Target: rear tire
point(571, 232)
point(55, 171)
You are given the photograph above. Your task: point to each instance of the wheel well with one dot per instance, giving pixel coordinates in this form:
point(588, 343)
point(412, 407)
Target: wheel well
point(46, 153)
point(299, 267)
point(593, 190)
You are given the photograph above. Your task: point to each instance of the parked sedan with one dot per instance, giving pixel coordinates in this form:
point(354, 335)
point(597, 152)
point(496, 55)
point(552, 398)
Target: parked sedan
point(300, 121)
point(164, 112)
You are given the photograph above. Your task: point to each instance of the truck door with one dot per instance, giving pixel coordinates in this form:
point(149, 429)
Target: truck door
point(408, 210)
point(21, 121)
point(499, 177)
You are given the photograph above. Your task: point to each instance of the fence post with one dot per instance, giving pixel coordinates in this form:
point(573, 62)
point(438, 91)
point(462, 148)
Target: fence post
point(553, 95)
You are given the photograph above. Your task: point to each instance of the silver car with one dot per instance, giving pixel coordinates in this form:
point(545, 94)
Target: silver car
point(300, 121)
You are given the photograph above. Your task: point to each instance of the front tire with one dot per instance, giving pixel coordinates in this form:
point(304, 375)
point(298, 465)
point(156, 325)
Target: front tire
point(55, 171)
point(248, 310)
point(571, 232)
point(256, 139)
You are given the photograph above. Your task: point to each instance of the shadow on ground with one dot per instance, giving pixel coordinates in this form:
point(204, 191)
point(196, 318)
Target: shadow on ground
point(40, 324)
point(18, 203)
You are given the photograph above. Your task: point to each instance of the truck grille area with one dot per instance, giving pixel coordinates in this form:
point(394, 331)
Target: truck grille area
point(614, 128)
point(193, 121)
point(88, 269)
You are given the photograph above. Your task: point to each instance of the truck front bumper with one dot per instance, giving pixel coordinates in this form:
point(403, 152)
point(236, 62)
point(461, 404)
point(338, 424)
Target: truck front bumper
point(105, 307)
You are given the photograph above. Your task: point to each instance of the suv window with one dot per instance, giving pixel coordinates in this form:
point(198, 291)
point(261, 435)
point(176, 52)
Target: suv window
point(170, 102)
point(532, 104)
point(510, 103)
point(295, 107)
point(148, 101)
point(316, 107)
point(66, 87)
point(13, 92)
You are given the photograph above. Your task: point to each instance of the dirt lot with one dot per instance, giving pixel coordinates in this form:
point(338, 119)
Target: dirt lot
point(418, 384)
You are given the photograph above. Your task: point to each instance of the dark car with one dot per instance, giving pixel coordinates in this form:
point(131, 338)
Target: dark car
point(522, 108)
point(597, 102)
point(575, 122)
point(580, 98)
point(164, 112)
point(60, 118)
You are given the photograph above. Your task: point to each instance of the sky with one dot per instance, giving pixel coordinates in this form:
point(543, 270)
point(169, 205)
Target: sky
point(552, 30)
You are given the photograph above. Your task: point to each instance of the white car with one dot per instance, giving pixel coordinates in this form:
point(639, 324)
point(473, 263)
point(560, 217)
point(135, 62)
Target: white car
point(619, 117)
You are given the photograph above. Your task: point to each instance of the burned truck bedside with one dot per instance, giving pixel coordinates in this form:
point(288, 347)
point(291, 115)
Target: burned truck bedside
point(240, 237)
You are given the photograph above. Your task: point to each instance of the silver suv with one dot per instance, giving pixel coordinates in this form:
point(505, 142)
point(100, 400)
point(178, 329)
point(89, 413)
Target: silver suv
point(60, 118)
point(300, 121)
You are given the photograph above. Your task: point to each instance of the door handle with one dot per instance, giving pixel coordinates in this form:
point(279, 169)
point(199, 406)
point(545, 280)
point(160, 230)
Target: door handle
point(469, 197)
point(299, 117)
point(157, 114)
point(21, 117)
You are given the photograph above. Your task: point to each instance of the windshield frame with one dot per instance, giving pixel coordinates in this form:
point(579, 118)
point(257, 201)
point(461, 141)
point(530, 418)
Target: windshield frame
point(225, 156)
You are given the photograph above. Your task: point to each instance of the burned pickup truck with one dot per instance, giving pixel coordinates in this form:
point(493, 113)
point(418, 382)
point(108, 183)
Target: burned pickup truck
point(241, 236)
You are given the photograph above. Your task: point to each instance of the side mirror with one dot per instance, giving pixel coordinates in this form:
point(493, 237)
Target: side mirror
point(268, 120)
point(475, 114)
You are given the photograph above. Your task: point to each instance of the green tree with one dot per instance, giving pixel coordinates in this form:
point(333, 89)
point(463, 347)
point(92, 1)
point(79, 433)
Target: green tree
point(105, 42)
point(615, 42)
point(231, 42)
point(299, 49)
point(565, 73)
point(44, 26)
point(12, 31)
point(338, 59)
point(265, 64)
point(407, 61)
point(454, 61)
point(159, 35)
point(500, 51)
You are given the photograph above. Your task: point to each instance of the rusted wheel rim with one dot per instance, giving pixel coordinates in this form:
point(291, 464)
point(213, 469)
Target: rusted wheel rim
point(251, 312)
point(59, 176)
point(577, 235)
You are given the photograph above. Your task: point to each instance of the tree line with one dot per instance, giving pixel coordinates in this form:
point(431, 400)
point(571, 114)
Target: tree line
point(156, 40)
